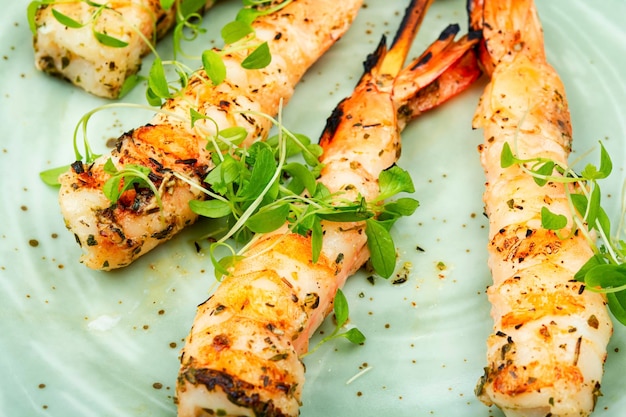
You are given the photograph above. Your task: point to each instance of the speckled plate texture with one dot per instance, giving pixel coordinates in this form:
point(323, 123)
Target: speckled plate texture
point(80, 343)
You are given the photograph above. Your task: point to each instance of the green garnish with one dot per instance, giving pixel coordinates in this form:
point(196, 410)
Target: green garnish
point(258, 190)
point(341, 310)
point(51, 176)
point(605, 271)
point(261, 188)
point(130, 176)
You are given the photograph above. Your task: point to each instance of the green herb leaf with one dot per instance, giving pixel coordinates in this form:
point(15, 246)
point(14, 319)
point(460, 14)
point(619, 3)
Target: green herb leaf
point(66, 20)
point(592, 262)
point(224, 175)
point(108, 40)
point(607, 277)
point(340, 308)
point(214, 66)
point(131, 175)
point(222, 265)
point(594, 205)
point(506, 157)
point(235, 135)
point(90, 3)
point(235, 30)
point(606, 166)
point(605, 223)
point(402, 206)
point(312, 154)
point(617, 305)
point(294, 145)
point(152, 98)
point(347, 213)
point(317, 236)
point(393, 181)
point(591, 172)
point(544, 170)
point(129, 83)
point(579, 201)
point(167, 4)
point(188, 7)
point(382, 249)
point(157, 81)
point(262, 172)
point(214, 209)
point(268, 220)
point(111, 188)
point(31, 14)
point(246, 15)
point(552, 221)
point(51, 176)
point(195, 116)
point(354, 335)
point(302, 178)
point(109, 167)
point(259, 58)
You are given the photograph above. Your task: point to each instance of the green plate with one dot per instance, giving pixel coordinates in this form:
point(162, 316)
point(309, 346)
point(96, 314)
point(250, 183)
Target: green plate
point(80, 343)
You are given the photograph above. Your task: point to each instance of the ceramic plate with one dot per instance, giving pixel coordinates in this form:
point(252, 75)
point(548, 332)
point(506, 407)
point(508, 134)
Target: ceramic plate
point(76, 342)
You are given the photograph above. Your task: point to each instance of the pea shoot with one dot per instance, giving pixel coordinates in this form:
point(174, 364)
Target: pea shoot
point(342, 312)
point(605, 271)
point(261, 188)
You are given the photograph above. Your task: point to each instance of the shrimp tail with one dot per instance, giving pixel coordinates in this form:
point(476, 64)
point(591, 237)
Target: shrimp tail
point(411, 22)
point(512, 26)
point(445, 69)
point(382, 65)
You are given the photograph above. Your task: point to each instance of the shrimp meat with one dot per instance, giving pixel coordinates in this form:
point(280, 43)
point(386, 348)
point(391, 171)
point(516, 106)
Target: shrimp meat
point(548, 346)
point(241, 357)
point(114, 235)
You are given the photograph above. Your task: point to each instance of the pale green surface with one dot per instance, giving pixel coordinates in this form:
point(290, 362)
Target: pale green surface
point(425, 343)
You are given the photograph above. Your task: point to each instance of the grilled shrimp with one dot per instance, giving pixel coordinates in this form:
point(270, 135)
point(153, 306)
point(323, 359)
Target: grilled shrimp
point(241, 357)
point(548, 346)
point(76, 54)
point(112, 236)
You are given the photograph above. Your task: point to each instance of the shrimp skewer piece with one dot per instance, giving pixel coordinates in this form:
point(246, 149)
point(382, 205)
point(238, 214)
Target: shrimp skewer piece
point(76, 55)
point(113, 236)
point(548, 346)
point(242, 354)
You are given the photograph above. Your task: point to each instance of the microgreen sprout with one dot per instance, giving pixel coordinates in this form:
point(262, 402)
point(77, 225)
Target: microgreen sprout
point(131, 176)
point(260, 188)
point(605, 271)
point(342, 313)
